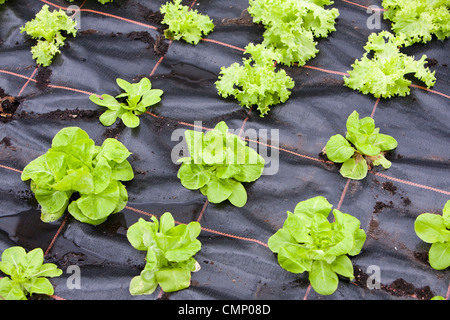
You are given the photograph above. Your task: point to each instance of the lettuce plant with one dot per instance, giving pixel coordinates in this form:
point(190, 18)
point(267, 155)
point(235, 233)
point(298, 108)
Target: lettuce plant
point(292, 26)
point(47, 27)
point(309, 242)
point(256, 83)
point(435, 229)
point(2, 1)
point(384, 74)
point(170, 250)
point(218, 164)
point(362, 147)
point(75, 166)
point(418, 20)
point(185, 23)
point(27, 274)
point(138, 98)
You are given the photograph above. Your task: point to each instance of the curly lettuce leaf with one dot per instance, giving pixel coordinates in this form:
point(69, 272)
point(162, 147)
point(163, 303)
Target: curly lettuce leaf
point(418, 20)
point(185, 23)
point(256, 83)
point(47, 28)
point(383, 76)
point(292, 26)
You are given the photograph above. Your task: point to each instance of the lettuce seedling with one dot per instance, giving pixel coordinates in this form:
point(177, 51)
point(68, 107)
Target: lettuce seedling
point(292, 25)
point(185, 23)
point(309, 242)
point(435, 229)
point(138, 98)
point(2, 1)
point(27, 274)
point(170, 250)
point(218, 164)
point(383, 76)
point(256, 83)
point(48, 28)
point(418, 20)
point(74, 165)
point(362, 148)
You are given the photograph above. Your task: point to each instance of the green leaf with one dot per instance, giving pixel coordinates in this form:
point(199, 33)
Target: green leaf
point(141, 234)
point(11, 290)
point(130, 119)
point(385, 142)
point(342, 265)
point(39, 285)
point(185, 23)
point(107, 101)
point(313, 206)
point(108, 117)
point(47, 27)
point(280, 239)
point(354, 169)
point(439, 255)
point(338, 149)
point(166, 222)
point(99, 206)
point(140, 287)
point(219, 190)
point(172, 280)
point(114, 150)
point(238, 197)
point(446, 214)
point(431, 228)
point(383, 76)
point(13, 256)
point(193, 176)
point(322, 277)
point(290, 260)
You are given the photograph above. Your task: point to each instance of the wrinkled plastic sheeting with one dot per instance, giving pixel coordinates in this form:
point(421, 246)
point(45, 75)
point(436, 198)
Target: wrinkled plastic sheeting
point(235, 260)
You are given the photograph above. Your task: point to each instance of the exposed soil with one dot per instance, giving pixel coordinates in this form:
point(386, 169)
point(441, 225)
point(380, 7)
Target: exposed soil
point(244, 20)
point(398, 287)
point(154, 17)
point(43, 78)
point(379, 206)
point(431, 62)
point(389, 186)
point(160, 48)
point(113, 132)
point(143, 36)
point(59, 115)
point(8, 106)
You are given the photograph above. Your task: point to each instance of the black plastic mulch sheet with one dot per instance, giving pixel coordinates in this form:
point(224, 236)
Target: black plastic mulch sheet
point(122, 40)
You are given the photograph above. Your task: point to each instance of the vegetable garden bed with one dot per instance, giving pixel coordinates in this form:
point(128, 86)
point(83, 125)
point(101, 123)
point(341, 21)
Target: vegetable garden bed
point(125, 39)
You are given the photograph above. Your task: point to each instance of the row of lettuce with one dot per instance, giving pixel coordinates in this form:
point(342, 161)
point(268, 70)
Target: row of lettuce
point(218, 165)
point(77, 176)
point(291, 30)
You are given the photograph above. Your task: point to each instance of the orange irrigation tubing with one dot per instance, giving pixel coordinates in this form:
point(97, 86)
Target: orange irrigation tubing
point(326, 70)
point(9, 168)
point(234, 236)
point(104, 14)
point(433, 91)
point(119, 18)
point(28, 81)
point(17, 75)
point(411, 183)
point(70, 89)
point(360, 5)
point(224, 44)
